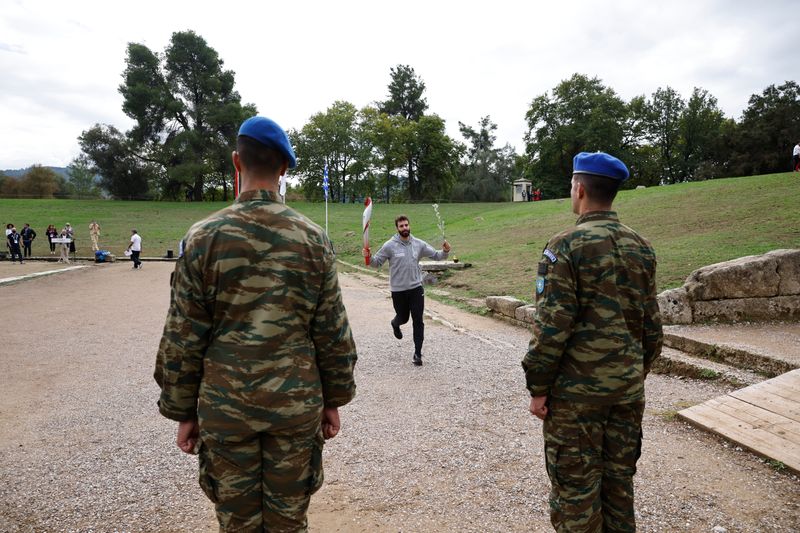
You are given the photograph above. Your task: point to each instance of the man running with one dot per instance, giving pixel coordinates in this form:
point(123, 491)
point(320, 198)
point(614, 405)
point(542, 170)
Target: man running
point(403, 251)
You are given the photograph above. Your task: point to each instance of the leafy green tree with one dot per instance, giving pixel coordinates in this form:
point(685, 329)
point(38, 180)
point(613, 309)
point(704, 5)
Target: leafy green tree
point(186, 115)
point(82, 179)
point(581, 115)
point(405, 94)
point(770, 126)
point(387, 135)
point(40, 182)
point(328, 138)
point(124, 175)
point(406, 101)
point(487, 172)
point(700, 128)
point(435, 159)
point(664, 131)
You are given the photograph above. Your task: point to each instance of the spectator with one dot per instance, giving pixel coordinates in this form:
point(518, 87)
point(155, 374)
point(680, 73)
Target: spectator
point(51, 233)
point(28, 234)
point(796, 157)
point(71, 235)
point(13, 239)
point(135, 247)
point(64, 247)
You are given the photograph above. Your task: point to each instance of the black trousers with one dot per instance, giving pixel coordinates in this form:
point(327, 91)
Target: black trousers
point(411, 302)
point(15, 251)
point(135, 258)
point(26, 248)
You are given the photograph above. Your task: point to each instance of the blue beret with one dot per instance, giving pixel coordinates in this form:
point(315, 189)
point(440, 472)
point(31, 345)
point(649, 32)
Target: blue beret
point(268, 133)
point(600, 164)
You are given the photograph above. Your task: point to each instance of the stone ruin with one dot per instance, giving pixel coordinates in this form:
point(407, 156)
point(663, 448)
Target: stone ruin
point(753, 288)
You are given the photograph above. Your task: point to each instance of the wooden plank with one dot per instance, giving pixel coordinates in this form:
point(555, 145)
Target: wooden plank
point(766, 399)
point(783, 390)
point(758, 440)
point(781, 426)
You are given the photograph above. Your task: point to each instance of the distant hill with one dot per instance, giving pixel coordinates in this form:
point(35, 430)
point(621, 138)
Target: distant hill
point(18, 173)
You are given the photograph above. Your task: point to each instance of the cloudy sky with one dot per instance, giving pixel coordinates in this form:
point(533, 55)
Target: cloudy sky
point(61, 62)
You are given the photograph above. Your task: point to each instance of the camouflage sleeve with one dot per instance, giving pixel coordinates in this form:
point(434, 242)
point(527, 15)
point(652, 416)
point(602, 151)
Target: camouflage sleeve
point(556, 309)
point(652, 334)
point(179, 363)
point(333, 340)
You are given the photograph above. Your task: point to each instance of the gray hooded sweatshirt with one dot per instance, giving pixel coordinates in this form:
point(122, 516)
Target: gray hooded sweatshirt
point(403, 257)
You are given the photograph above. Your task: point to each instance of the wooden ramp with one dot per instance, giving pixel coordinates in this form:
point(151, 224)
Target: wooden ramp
point(764, 418)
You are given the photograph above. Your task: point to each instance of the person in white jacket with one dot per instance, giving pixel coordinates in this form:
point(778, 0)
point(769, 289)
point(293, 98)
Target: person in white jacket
point(403, 251)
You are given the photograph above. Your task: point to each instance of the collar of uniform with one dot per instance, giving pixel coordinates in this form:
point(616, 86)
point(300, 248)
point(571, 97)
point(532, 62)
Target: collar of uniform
point(257, 195)
point(597, 215)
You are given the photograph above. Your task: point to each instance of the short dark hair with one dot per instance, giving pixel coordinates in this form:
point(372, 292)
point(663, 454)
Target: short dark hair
point(258, 158)
point(599, 188)
point(399, 219)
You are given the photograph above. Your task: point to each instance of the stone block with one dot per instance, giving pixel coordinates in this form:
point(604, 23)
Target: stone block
point(748, 309)
point(525, 313)
point(753, 276)
point(788, 270)
point(505, 305)
point(675, 306)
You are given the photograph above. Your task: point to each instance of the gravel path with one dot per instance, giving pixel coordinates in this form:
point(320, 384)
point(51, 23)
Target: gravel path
point(446, 447)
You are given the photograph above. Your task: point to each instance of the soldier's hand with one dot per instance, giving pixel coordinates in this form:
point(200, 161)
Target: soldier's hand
point(446, 246)
point(330, 422)
point(188, 435)
point(538, 407)
point(365, 251)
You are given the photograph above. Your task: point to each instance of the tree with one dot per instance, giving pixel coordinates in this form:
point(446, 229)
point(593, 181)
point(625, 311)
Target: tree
point(328, 138)
point(387, 134)
point(38, 182)
point(123, 174)
point(405, 94)
point(581, 115)
point(487, 172)
point(186, 115)
point(700, 128)
point(82, 179)
point(406, 101)
point(435, 158)
point(665, 111)
point(770, 126)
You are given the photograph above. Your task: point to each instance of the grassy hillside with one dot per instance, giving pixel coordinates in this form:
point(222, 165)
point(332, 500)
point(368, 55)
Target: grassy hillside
point(690, 225)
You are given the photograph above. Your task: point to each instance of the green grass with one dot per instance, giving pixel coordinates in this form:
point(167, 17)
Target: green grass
point(690, 225)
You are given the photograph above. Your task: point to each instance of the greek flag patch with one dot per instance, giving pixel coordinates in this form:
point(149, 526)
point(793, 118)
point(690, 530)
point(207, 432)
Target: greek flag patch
point(550, 255)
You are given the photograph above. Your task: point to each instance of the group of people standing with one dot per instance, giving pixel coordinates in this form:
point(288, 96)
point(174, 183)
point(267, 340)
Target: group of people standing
point(20, 243)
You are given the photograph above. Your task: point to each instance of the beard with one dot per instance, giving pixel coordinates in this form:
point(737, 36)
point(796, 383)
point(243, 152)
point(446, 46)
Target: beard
point(405, 233)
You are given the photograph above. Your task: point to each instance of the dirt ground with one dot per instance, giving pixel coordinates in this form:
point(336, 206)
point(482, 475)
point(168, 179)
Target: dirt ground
point(445, 447)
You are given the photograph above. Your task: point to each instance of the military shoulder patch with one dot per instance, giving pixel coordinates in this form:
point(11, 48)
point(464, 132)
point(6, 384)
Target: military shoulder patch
point(539, 285)
point(550, 255)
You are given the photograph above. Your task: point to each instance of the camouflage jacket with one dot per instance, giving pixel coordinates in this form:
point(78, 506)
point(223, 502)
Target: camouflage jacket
point(597, 327)
point(256, 330)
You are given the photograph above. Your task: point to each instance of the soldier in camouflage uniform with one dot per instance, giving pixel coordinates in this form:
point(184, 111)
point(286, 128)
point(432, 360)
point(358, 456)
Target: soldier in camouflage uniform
point(257, 353)
point(596, 333)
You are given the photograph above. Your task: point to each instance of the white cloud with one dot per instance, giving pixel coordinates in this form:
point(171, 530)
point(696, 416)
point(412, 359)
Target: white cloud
point(62, 61)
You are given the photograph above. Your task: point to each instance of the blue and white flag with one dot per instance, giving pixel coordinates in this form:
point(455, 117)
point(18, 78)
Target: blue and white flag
point(325, 181)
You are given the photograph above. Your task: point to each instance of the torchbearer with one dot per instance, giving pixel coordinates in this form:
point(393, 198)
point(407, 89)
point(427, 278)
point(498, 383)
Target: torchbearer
point(403, 251)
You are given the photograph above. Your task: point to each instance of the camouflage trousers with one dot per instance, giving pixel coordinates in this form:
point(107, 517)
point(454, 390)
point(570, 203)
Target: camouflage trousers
point(262, 481)
point(591, 453)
